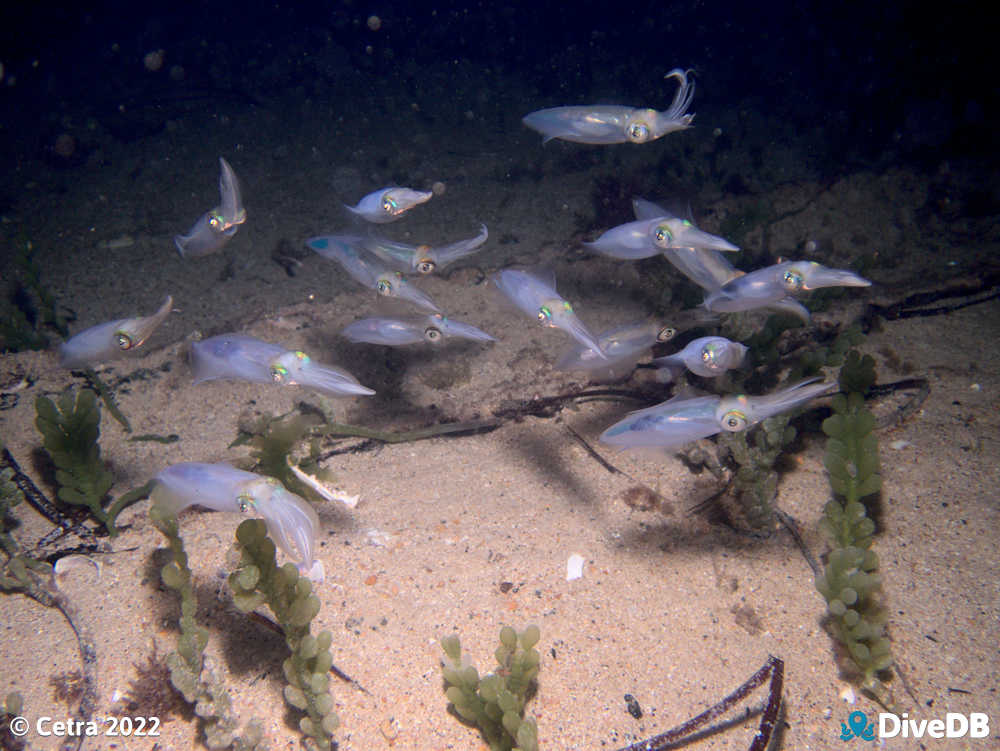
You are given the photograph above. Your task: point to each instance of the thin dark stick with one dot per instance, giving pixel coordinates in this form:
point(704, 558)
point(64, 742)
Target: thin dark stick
point(793, 528)
point(774, 667)
point(341, 430)
point(597, 457)
point(665, 504)
point(912, 305)
point(39, 501)
point(546, 406)
point(923, 390)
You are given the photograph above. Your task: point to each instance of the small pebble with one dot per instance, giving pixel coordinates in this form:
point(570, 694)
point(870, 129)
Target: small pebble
point(632, 705)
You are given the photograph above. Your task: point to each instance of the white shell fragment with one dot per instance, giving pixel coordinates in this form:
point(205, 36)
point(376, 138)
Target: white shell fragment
point(76, 561)
point(331, 494)
point(574, 567)
point(316, 573)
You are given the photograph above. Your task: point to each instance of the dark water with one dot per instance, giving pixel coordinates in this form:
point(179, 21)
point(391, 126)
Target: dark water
point(318, 103)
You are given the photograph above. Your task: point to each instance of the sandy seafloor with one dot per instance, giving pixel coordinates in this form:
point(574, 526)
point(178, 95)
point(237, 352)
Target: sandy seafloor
point(443, 523)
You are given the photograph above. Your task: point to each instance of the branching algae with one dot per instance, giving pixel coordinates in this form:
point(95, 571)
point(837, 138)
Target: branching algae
point(850, 582)
point(495, 703)
point(756, 454)
point(70, 429)
point(259, 580)
point(191, 672)
point(755, 481)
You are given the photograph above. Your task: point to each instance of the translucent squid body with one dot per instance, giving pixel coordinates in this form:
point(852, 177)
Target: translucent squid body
point(424, 259)
point(622, 348)
point(645, 238)
point(110, 340)
point(775, 284)
point(290, 520)
point(368, 270)
point(708, 356)
point(218, 226)
point(535, 294)
point(395, 332)
point(684, 419)
point(388, 204)
point(702, 264)
point(249, 359)
point(601, 124)
point(707, 267)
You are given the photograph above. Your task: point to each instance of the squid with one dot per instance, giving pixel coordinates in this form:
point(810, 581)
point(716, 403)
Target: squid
point(246, 358)
point(604, 124)
point(777, 284)
point(367, 270)
point(708, 268)
point(685, 419)
point(388, 204)
point(290, 519)
point(622, 348)
point(395, 332)
point(217, 227)
point(707, 356)
point(424, 259)
point(645, 238)
point(535, 294)
point(111, 340)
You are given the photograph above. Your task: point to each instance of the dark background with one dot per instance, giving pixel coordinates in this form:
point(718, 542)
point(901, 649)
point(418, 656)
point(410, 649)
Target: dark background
point(913, 77)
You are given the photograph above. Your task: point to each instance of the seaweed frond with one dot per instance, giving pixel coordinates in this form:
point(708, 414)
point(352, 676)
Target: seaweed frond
point(755, 482)
point(495, 703)
point(273, 443)
point(12, 706)
point(108, 397)
point(10, 496)
point(850, 583)
point(70, 430)
point(259, 581)
point(191, 672)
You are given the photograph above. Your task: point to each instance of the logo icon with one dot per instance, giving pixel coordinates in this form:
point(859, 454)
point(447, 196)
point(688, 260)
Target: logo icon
point(857, 726)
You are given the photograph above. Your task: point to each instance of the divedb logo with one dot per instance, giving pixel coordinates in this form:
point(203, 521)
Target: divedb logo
point(954, 725)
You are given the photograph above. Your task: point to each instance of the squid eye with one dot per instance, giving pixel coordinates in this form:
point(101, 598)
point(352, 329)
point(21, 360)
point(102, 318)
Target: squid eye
point(426, 266)
point(792, 280)
point(544, 314)
point(567, 307)
point(666, 334)
point(244, 502)
point(708, 354)
point(432, 334)
point(663, 236)
point(302, 357)
point(383, 287)
point(124, 341)
point(734, 421)
point(389, 205)
point(279, 373)
point(638, 133)
point(216, 221)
